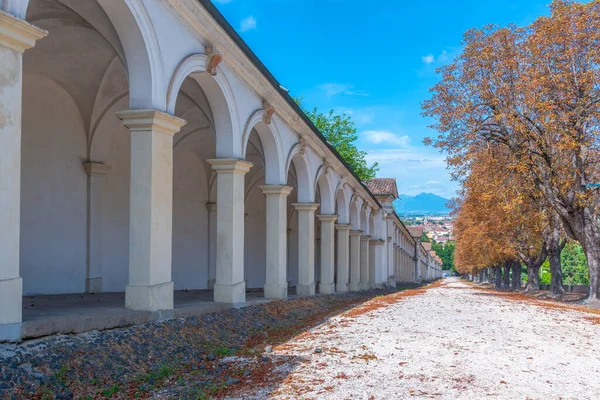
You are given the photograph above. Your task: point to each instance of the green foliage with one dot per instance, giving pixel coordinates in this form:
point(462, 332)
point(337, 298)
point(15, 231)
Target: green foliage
point(574, 267)
point(424, 238)
point(446, 253)
point(340, 132)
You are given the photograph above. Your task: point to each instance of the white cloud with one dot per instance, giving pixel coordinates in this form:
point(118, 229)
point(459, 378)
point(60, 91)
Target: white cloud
point(428, 59)
point(248, 24)
point(333, 89)
point(416, 169)
point(359, 116)
point(386, 137)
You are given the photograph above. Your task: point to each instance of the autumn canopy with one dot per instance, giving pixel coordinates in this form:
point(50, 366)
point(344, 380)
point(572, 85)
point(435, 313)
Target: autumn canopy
point(518, 116)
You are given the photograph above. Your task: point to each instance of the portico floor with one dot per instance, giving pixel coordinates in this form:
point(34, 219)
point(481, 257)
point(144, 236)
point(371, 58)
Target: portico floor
point(45, 315)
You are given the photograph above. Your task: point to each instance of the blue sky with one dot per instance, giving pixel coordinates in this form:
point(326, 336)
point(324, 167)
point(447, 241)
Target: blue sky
point(375, 61)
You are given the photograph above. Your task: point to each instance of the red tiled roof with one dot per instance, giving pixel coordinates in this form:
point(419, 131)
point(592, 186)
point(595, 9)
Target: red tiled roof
point(416, 231)
point(383, 186)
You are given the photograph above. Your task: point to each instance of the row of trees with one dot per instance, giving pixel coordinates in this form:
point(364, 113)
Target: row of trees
point(518, 115)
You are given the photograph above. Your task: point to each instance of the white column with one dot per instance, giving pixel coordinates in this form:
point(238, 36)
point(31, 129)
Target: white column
point(16, 36)
point(343, 257)
point(372, 264)
point(96, 173)
point(276, 258)
point(230, 286)
point(306, 248)
point(380, 269)
point(151, 208)
point(391, 266)
point(364, 262)
point(212, 245)
point(355, 260)
point(327, 281)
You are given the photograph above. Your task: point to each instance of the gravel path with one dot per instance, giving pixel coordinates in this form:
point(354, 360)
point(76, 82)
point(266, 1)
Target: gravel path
point(452, 341)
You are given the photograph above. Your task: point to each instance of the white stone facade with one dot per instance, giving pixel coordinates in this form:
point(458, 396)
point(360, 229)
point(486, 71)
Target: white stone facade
point(144, 149)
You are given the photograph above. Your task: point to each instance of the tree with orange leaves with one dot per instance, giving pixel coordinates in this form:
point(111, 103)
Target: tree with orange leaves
point(500, 222)
point(534, 92)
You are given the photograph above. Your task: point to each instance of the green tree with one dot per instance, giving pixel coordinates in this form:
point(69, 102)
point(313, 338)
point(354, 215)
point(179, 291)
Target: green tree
point(339, 130)
point(446, 253)
point(574, 266)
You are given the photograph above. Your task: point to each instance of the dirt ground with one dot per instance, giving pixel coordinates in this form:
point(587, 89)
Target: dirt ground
point(450, 341)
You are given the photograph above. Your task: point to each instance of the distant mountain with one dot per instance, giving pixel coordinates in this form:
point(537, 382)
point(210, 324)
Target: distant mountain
point(424, 203)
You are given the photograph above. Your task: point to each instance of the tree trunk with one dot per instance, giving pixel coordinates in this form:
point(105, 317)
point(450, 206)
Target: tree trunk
point(506, 280)
point(498, 272)
point(590, 241)
point(516, 275)
point(554, 248)
point(533, 278)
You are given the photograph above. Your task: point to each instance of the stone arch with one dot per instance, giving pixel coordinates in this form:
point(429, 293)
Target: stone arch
point(142, 52)
point(364, 220)
point(342, 201)
point(306, 189)
point(271, 142)
point(326, 189)
point(355, 206)
point(220, 97)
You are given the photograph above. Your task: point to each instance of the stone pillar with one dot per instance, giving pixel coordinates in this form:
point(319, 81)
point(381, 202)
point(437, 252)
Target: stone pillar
point(212, 245)
point(327, 281)
point(343, 257)
point(306, 248)
point(16, 36)
point(355, 260)
point(364, 262)
point(230, 286)
point(276, 259)
point(151, 208)
point(96, 173)
point(373, 264)
point(391, 263)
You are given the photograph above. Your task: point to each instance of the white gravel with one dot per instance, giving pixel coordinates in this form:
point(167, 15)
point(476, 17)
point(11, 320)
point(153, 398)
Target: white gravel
point(452, 342)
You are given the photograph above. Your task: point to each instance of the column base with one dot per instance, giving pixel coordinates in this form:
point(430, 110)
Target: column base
point(342, 287)
point(10, 332)
point(230, 294)
point(306, 290)
point(276, 291)
point(392, 282)
point(210, 284)
point(93, 285)
point(149, 298)
point(354, 287)
point(11, 301)
point(327, 288)
point(365, 286)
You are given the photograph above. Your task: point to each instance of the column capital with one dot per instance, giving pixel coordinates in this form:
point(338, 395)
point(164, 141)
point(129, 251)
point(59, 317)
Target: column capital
point(377, 242)
point(151, 120)
point(356, 232)
point(211, 207)
point(306, 207)
point(276, 190)
point(96, 168)
point(343, 227)
point(327, 217)
point(18, 34)
point(230, 165)
point(365, 238)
